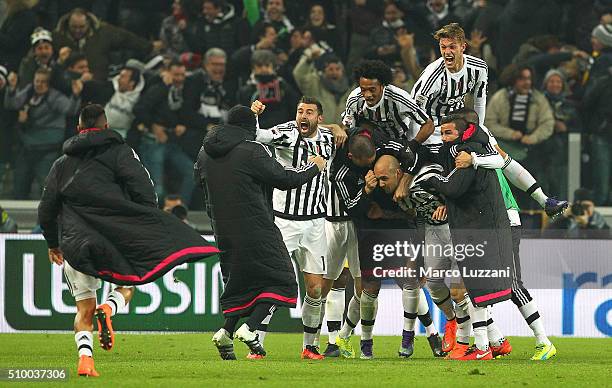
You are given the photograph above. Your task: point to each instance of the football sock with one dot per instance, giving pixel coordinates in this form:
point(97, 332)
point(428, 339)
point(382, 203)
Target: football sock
point(496, 338)
point(480, 316)
point(521, 178)
point(441, 296)
point(334, 309)
point(230, 325)
point(352, 317)
point(84, 343)
point(424, 315)
point(369, 306)
point(311, 317)
point(464, 326)
point(116, 301)
point(410, 301)
point(533, 319)
point(318, 335)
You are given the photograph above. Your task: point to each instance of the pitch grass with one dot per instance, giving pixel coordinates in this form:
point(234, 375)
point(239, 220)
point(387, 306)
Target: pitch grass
point(177, 360)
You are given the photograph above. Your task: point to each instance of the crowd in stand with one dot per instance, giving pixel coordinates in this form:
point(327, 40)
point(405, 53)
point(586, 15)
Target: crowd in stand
point(166, 71)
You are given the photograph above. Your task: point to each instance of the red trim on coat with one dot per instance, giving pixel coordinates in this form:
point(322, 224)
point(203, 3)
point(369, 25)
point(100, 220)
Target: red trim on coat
point(89, 130)
point(493, 295)
point(469, 132)
point(268, 295)
point(162, 265)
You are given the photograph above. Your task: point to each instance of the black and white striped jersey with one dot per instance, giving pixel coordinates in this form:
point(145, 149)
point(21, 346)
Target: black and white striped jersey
point(439, 92)
point(335, 207)
point(424, 202)
point(308, 201)
point(393, 114)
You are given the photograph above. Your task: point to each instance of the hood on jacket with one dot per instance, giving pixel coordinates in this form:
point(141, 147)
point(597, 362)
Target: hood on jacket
point(88, 140)
point(62, 24)
point(221, 139)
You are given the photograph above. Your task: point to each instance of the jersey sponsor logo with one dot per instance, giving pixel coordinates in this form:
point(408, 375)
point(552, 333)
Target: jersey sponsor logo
point(421, 100)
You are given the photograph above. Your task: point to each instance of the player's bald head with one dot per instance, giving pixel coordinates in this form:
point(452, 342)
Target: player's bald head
point(387, 163)
point(388, 172)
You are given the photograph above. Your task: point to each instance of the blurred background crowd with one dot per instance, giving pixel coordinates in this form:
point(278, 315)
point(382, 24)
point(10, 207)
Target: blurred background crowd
point(166, 71)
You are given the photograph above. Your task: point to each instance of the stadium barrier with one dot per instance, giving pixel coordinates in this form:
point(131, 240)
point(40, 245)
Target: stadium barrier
point(570, 280)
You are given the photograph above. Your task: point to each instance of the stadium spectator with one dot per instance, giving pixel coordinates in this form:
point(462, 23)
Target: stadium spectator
point(554, 175)
point(597, 113)
point(7, 224)
point(208, 94)
point(322, 30)
point(83, 32)
point(520, 118)
point(265, 39)
point(601, 41)
point(331, 85)
point(383, 43)
point(273, 91)
point(274, 14)
point(217, 26)
point(159, 115)
point(15, 32)
point(121, 95)
point(41, 55)
point(543, 53)
point(50, 11)
point(172, 30)
point(580, 220)
point(42, 119)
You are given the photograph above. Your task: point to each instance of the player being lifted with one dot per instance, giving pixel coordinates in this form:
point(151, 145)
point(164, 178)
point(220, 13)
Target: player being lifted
point(442, 88)
point(300, 213)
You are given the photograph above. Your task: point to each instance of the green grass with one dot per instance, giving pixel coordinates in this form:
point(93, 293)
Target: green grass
point(191, 360)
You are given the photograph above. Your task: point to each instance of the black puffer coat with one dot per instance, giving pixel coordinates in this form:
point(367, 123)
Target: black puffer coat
point(100, 208)
point(238, 175)
point(477, 218)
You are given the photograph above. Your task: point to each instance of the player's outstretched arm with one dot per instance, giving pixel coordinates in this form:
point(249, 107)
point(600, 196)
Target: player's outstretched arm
point(264, 168)
point(454, 185)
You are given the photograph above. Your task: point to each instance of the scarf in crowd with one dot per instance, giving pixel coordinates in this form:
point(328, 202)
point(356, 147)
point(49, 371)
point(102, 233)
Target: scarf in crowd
point(336, 87)
point(519, 110)
point(175, 98)
point(268, 88)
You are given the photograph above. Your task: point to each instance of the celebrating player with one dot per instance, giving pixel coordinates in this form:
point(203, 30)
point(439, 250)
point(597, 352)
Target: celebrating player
point(442, 88)
point(100, 199)
point(300, 212)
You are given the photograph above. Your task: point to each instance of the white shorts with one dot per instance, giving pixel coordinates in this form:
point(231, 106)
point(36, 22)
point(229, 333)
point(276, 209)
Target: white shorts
point(82, 286)
point(305, 240)
point(439, 235)
point(341, 246)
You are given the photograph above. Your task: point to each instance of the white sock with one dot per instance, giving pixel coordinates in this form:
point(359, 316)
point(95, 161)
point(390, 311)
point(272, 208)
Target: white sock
point(116, 301)
point(521, 178)
point(496, 338)
point(441, 296)
point(530, 312)
point(318, 335)
point(369, 307)
point(464, 324)
point(480, 316)
point(84, 343)
point(352, 317)
point(311, 317)
point(424, 315)
point(410, 302)
point(334, 309)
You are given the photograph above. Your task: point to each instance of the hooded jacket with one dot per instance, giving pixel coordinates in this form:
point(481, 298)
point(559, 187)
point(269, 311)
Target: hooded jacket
point(477, 216)
point(100, 209)
point(101, 39)
point(238, 175)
